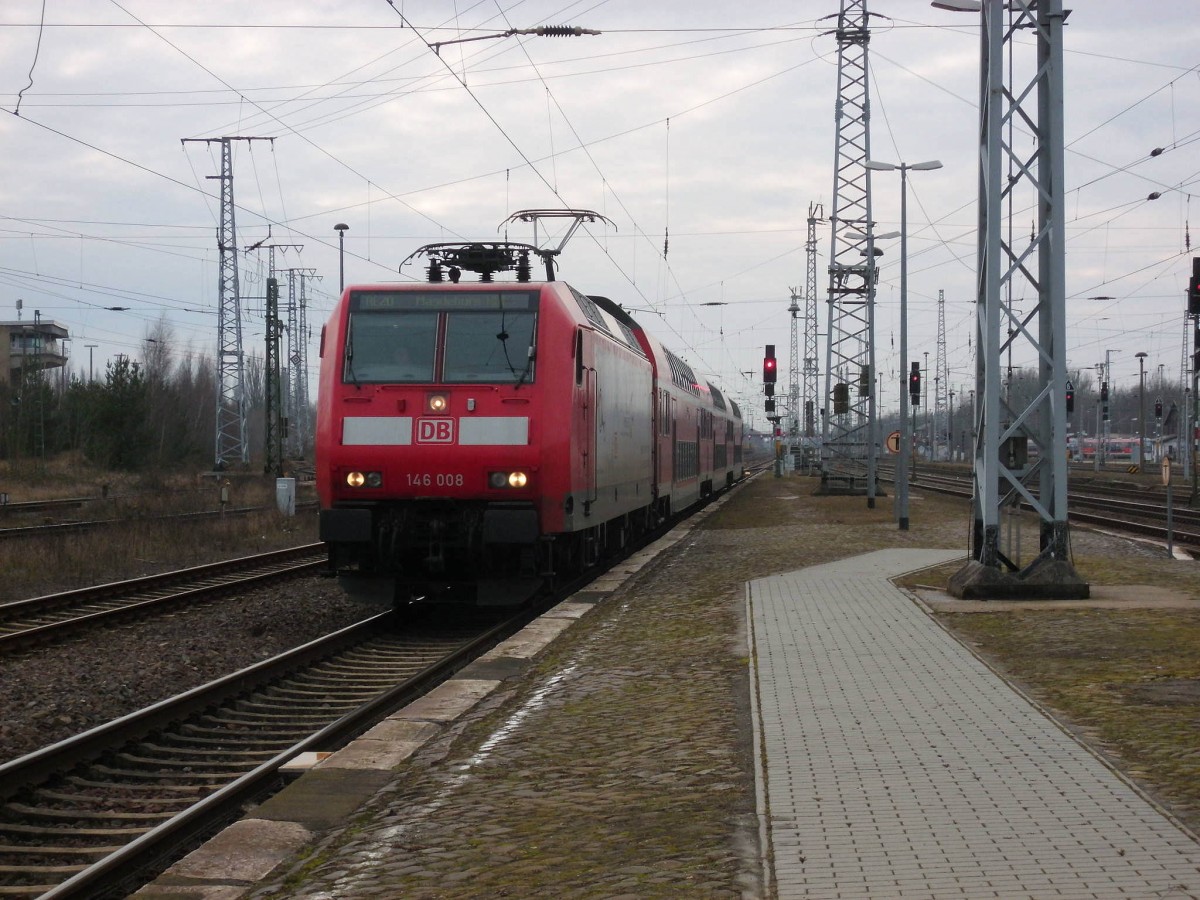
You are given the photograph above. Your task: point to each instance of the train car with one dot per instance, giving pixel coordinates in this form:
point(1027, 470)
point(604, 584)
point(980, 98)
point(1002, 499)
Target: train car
point(699, 438)
point(478, 441)
point(1116, 449)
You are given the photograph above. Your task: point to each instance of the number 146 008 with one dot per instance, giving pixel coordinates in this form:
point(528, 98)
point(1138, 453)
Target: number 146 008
point(432, 479)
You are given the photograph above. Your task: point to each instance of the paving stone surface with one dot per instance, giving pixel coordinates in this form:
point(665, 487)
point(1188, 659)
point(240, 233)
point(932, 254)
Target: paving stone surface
point(898, 765)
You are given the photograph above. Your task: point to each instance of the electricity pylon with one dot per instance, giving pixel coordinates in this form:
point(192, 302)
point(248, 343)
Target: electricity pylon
point(794, 371)
point(848, 453)
point(231, 444)
point(1021, 443)
point(811, 366)
point(941, 385)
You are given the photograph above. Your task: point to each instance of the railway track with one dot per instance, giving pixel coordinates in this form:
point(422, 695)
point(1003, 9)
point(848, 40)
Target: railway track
point(56, 529)
point(24, 623)
point(1101, 505)
point(93, 815)
point(100, 813)
point(37, 506)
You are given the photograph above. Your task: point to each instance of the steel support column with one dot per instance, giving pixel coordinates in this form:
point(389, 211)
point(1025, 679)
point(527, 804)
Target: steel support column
point(1021, 443)
point(848, 454)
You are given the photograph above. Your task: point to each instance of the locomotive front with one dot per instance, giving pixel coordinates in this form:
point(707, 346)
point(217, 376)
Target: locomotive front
point(428, 441)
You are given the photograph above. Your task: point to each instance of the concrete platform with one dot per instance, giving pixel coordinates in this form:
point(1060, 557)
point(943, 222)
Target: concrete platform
point(898, 765)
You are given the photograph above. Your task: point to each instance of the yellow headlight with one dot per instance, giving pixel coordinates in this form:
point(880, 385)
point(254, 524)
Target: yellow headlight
point(355, 479)
point(505, 480)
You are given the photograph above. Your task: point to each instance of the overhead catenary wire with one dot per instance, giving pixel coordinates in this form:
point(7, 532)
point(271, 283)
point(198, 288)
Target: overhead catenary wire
point(954, 241)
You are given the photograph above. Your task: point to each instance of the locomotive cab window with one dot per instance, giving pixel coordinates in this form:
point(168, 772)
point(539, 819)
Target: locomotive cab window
point(482, 336)
point(391, 346)
point(489, 346)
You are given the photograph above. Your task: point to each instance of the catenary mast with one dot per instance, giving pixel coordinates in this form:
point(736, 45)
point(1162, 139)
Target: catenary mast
point(848, 442)
point(811, 364)
point(941, 386)
point(1021, 445)
point(232, 447)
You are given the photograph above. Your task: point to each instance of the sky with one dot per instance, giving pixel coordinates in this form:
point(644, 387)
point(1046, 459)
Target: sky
point(703, 131)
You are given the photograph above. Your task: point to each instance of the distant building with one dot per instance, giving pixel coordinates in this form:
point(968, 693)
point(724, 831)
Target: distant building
point(36, 345)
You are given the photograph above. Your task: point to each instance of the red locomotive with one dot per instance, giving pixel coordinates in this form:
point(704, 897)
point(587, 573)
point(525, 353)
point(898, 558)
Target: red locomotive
point(475, 441)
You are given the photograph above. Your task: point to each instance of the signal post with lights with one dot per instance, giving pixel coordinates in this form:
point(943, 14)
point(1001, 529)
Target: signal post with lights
point(1193, 432)
point(770, 378)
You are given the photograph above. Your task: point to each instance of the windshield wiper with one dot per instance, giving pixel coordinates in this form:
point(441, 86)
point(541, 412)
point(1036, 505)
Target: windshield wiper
point(528, 367)
point(350, 362)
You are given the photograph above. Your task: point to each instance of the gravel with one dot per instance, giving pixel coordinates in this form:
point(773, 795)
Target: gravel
point(60, 690)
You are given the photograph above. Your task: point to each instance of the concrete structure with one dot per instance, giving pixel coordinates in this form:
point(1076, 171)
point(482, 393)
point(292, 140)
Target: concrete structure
point(35, 345)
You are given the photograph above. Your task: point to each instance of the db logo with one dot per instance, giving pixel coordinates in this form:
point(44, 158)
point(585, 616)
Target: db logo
point(435, 431)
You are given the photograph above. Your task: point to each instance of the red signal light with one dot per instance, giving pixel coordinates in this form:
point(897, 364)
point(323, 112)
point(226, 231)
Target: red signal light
point(770, 366)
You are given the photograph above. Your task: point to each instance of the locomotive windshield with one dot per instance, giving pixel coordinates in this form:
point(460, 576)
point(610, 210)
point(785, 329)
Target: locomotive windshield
point(485, 337)
point(391, 346)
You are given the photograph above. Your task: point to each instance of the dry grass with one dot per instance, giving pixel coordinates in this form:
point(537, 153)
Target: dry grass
point(1123, 674)
point(1127, 680)
point(141, 542)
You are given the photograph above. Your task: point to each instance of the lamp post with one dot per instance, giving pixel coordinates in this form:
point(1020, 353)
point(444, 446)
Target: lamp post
point(341, 228)
point(905, 438)
point(1141, 358)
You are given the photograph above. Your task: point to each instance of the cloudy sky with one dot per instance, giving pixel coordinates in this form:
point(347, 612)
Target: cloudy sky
point(708, 123)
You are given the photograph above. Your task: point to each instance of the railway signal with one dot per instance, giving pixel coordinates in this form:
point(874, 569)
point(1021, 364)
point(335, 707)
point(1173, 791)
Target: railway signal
point(1193, 291)
point(841, 398)
point(770, 366)
point(914, 384)
point(1070, 397)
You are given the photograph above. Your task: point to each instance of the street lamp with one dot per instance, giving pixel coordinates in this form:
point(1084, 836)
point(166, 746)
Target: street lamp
point(341, 228)
point(1141, 358)
point(905, 436)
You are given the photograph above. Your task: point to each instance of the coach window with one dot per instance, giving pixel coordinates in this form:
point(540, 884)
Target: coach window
point(391, 346)
point(490, 346)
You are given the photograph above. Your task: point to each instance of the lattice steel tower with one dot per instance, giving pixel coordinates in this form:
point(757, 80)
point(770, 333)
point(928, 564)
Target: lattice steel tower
point(941, 385)
point(848, 441)
point(794, 370)
point(231, 444)
point(295, 381)
point(1021, 446)
point(811, 366)
point(1186, 377)
point(298, 362)
point(273, 394)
